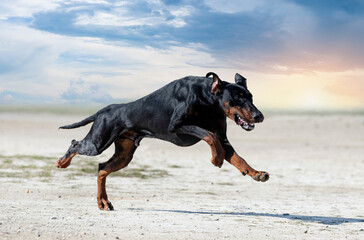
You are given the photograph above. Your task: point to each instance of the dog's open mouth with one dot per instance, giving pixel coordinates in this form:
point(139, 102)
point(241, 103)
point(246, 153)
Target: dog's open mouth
point(244, 124)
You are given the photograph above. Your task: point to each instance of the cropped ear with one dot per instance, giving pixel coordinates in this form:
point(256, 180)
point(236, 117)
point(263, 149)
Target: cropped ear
point(216, 83)
point(240, 80)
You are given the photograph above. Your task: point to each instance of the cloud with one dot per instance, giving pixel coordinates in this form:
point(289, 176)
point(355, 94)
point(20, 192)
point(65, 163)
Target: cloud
point(46, 63)
point(82, 92)
point(25, 8)
point(135, 14)
point(130, 48)
point(112, 19)
point(136, 22)
point(236, 6)
point(14, 97)
point(278, 37)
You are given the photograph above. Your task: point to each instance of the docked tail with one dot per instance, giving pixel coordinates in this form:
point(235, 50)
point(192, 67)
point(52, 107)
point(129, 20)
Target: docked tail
point(81, 123)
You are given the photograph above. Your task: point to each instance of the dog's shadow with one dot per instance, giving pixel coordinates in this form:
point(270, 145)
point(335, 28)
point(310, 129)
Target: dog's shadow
point(318, 219)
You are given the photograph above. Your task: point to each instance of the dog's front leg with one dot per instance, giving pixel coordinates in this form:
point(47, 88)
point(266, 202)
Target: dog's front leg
point(234, 159)
point(176, 126)
point(217, 151)
point(244, 168)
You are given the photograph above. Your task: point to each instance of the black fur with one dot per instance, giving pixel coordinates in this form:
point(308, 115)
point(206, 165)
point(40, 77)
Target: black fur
point(182, 112)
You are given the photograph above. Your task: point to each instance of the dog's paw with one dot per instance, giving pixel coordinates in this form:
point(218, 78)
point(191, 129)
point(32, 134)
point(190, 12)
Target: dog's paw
point(63, 162)
point(261, 176)
point(105, 205)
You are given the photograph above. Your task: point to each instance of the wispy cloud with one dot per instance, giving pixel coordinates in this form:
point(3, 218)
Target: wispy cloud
point(238, 6)
point(124, 15)
point(46, 63)
point(82, 92)
point(14, 97)
point(256, 33)
point(25, 8)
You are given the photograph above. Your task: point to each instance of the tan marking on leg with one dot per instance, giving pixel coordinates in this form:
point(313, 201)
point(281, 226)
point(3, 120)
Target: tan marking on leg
point(102, 200)
point(124, 150)
point(244, 168)
point(217, 151)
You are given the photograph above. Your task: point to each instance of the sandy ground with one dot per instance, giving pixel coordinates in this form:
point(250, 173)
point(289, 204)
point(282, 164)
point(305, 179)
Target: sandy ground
point(316, 189)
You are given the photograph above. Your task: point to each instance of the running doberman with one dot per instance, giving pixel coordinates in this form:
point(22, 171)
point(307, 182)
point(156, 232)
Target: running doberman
point(183, 112)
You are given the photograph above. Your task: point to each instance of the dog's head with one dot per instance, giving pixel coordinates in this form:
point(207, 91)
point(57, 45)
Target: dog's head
point(237, 101)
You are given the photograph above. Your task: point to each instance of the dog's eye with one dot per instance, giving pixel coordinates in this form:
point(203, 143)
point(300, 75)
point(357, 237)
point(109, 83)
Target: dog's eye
point(238, 99)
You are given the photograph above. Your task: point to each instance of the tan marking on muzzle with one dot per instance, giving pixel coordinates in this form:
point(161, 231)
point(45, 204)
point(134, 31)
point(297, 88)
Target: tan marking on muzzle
point(230, 111)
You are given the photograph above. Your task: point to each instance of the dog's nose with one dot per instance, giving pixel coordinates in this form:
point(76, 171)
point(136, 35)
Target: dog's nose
point(259, 117)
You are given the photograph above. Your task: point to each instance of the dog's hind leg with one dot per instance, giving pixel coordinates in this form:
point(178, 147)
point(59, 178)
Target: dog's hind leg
point(83, 147)
point(65, 161)
point(125, 147)
point(101, 135)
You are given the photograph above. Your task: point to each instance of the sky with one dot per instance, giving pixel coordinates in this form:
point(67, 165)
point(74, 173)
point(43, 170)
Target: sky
point(296, 54)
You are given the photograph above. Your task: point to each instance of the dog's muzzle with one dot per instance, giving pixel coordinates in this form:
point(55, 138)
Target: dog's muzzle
point(244, 124)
